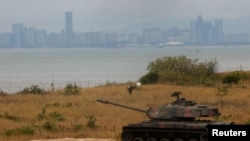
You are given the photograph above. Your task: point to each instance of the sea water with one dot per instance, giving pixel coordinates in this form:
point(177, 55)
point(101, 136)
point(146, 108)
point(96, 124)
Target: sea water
point(23, 67)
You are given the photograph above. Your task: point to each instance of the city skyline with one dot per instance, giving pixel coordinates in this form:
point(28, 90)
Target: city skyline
point(200, 32)
point(185, 23)
point(119, 15)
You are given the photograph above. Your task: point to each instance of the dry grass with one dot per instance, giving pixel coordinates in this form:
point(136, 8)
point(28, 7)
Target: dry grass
point(22, 110)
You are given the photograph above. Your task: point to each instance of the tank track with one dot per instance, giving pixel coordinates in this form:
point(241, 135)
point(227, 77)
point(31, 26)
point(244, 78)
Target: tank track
point(162, 134)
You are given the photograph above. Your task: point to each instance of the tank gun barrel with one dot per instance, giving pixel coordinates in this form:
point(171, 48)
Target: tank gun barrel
point(120, 105)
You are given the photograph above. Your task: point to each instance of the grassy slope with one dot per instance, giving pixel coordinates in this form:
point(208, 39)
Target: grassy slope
point(17, 111)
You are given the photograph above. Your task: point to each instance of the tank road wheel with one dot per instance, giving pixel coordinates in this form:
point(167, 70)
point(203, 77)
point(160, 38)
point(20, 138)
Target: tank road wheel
point(164, 139)
point(137, 139)
point(151, 139)
point(127, 137)
point(203, 137)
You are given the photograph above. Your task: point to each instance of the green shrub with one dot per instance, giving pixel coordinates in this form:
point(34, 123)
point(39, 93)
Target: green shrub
point(56, 116)
point(180, 69)
point(41, 115)
point(25, 130)
point(56, 104)
point(49, 126)
point(233, 77)
point(91, 123)
point(2, 93)
point(149, 78)
point(6, 115)
point(71, 89)
point(78, 127)
point(34, 89)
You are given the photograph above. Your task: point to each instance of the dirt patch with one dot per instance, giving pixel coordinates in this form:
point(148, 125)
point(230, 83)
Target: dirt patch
point(72, 139)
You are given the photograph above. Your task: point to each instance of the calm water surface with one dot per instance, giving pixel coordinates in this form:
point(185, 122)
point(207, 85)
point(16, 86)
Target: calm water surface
point(23, 67)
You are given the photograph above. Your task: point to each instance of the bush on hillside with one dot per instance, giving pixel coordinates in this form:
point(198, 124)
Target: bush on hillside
point(2, 93)
point(91, 123)
point(34, 89)
point(233, 77)
point(181, 70)
point(149, 78)
point(71, 89)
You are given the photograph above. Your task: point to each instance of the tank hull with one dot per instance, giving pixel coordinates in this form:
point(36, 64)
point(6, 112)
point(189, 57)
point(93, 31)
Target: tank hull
point(167, 131)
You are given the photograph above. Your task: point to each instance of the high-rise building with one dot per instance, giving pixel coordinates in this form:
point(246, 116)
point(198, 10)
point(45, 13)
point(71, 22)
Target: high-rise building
point(206, 32)
point(197, 29)
point(29, 36)
point(193, 36)
point(17, 33)
point(218, 26)
point(69, 29)
point(41, 37)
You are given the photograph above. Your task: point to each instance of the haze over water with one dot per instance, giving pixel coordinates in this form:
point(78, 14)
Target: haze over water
point(23, 67)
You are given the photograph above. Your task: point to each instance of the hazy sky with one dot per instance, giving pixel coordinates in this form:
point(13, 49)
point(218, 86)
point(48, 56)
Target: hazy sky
point(89, 15)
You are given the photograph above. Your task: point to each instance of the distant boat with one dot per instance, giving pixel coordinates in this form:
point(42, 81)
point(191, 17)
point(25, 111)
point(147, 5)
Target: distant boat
point(174, 43)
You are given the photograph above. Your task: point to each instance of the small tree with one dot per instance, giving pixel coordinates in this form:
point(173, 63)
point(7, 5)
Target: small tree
point(71, 89)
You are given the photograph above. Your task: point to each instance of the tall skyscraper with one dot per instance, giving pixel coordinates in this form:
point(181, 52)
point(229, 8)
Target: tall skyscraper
point(218, 25)
point(197, 26)
point(206, 32)
point(17, 32)
point(69, 29)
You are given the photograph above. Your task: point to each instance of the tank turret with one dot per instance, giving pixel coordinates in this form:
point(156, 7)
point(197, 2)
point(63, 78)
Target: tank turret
point(180, 109)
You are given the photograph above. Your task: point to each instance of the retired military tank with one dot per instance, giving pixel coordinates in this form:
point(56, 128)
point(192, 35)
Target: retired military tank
point(176, 121)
